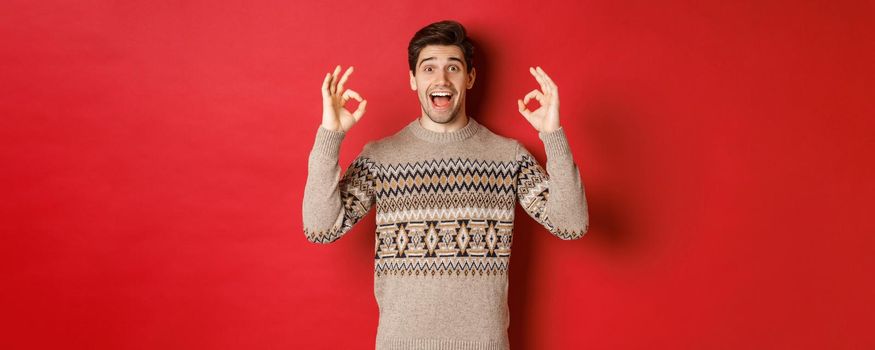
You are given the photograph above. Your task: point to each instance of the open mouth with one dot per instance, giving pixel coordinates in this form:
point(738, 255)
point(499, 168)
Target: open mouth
point(440, 100)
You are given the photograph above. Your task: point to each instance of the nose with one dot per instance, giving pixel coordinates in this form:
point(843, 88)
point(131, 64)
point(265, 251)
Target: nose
point(441, 77)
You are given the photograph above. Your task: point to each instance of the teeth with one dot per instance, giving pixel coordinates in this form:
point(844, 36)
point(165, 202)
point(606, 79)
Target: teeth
point(441, 94)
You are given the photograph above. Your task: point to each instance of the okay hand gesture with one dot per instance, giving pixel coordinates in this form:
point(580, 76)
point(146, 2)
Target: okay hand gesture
point(546, 117)
point(335, 116)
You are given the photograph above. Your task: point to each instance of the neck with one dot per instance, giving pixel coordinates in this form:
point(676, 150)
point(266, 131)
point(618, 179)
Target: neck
point(444, 134)
point(456, 123)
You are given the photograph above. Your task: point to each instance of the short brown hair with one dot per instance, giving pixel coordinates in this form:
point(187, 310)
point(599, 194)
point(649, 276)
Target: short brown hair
point(446, 32)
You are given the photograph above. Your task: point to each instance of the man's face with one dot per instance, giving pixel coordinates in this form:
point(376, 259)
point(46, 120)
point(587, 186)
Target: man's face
point(441, 81)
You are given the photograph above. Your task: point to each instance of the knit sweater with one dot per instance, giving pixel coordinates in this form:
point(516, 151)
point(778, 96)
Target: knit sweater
point(444, 224)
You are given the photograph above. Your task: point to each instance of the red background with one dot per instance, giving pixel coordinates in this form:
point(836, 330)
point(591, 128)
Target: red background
point(154, 159)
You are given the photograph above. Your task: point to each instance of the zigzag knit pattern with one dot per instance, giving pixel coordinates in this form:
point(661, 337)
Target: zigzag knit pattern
point(418, 206)
point(445, 206)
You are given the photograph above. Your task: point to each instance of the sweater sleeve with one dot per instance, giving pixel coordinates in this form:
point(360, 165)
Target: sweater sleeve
point(333, 204)
point(555, 198)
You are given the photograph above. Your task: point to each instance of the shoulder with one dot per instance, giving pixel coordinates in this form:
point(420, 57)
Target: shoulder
point(378, 145)
point(376, 148)
point(503, 144)
point(513, 149)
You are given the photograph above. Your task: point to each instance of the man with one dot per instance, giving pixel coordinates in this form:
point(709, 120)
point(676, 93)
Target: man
point(445, 188)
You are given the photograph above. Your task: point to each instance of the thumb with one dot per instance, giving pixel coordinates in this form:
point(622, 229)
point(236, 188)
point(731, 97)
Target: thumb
point(523, 110)
point(360, 110)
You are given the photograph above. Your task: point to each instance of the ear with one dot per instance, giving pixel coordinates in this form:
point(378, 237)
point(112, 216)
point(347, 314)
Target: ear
point(412, 81)
point(471, 77)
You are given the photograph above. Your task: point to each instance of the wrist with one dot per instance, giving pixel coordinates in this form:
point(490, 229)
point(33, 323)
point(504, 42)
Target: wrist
point(336, 128)
point(550, 129)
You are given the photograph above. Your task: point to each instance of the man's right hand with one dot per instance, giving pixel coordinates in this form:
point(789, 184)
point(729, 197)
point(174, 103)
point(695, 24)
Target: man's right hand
point(335, 116)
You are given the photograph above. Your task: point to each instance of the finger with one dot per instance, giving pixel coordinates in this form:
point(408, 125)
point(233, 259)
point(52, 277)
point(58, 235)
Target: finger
point(540, 80)
point(545, 82)
point(549, 81)
point(360, 111)
point(522, 108)
point(351, 93)
point(534, 94)
point(333, 85)
point(343, 79)
point(325, 92)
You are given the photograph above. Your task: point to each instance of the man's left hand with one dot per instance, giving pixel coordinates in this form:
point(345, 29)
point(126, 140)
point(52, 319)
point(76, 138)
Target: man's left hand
point(546, 117)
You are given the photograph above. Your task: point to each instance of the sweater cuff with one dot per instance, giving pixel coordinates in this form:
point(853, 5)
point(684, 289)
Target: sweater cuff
point(555, 143)
point(327, 142)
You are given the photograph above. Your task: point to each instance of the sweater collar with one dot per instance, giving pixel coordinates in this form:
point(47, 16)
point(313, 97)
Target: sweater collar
point(444, 137)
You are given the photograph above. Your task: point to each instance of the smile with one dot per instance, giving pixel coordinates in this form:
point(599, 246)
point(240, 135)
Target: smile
point(440, 100)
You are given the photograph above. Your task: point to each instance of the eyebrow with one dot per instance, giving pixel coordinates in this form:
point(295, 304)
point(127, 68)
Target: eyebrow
point(449, 59)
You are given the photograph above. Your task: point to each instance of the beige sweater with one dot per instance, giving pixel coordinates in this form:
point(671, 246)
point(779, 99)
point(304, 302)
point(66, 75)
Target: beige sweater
point(445, 211)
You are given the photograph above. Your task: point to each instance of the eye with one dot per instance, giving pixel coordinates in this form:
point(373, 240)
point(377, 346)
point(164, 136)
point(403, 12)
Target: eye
point(427, 69)
point(454, 68)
